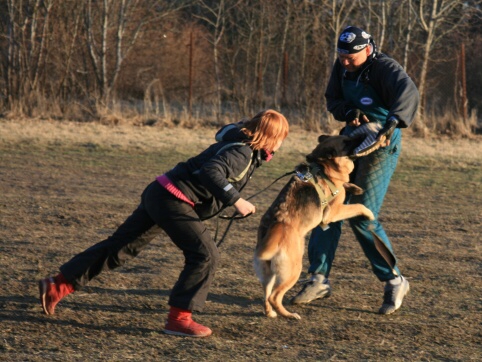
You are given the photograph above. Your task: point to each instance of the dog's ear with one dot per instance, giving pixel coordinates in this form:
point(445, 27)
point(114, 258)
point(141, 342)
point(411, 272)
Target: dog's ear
point(321, 153)
point(324, 149)
point(322, 138)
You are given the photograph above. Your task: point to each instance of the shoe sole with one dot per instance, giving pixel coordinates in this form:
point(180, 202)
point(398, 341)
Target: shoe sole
point(43, 293)
point(173, 333)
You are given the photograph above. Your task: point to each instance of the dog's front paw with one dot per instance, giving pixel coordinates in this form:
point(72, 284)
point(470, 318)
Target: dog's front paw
point(271, 314)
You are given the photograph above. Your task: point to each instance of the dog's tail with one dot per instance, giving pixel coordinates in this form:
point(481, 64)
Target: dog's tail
point(270, 243)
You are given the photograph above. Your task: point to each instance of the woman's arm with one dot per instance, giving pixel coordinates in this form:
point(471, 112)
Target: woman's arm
point(216, 173)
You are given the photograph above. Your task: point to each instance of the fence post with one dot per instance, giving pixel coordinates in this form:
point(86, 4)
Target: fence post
point(190, 73)
point(464, 83)
point(285, 77)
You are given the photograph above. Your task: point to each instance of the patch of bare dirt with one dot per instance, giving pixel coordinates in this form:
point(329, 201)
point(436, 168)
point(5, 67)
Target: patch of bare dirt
point(60, 195)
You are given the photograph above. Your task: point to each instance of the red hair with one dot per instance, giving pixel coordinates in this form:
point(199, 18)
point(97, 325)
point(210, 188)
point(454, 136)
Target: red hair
point(266, 129)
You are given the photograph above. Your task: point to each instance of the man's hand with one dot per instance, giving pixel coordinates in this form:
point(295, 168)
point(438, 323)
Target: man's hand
point(356, 117)
point(387, 131)
point(244, 207)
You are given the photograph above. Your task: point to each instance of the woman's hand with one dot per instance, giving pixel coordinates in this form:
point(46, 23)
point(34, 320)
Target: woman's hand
point(244, 207)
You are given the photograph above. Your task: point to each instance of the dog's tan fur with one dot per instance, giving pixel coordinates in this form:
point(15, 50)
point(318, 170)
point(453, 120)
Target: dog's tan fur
point(295, 212)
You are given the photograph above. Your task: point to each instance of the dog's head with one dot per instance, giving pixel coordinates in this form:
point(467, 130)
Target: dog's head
point(330, 147)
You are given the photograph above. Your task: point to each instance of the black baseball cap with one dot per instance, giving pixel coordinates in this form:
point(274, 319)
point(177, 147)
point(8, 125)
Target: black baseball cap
point(352, 40)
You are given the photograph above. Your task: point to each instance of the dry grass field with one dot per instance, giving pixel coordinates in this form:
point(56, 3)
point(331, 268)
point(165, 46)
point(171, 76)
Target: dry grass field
point(65, 186)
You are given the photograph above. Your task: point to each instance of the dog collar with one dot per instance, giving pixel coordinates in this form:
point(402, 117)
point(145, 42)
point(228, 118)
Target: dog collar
point(317, 171)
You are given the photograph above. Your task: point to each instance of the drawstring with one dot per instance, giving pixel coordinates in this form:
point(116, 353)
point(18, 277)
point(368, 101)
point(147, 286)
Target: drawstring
point(239, 217)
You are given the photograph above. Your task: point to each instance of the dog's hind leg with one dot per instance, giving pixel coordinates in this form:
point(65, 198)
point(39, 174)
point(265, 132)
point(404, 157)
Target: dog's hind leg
point(268, 288)
point(287, 271)
point(267, 279)
point(276, 298)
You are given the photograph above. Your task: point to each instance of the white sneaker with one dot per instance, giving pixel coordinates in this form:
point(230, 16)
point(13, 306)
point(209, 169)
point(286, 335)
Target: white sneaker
point(318, 287)
point(393, 296)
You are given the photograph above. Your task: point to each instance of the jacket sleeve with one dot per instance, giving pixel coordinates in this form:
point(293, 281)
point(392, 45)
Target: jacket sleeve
point(335, 102)
point(229, 164)
point(399, 92)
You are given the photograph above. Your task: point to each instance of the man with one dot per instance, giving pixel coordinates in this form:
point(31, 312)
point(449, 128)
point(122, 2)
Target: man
point(365, 86)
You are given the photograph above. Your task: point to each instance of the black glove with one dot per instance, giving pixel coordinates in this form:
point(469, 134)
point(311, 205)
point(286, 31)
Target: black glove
point(388, 128)
point(352, 114)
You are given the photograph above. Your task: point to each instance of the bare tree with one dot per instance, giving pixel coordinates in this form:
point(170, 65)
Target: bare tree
point(94, 49)
point(70, 49)
point(406, 51)
point(282, 50)
point(113, 28)
point(27, 35)
point(216, 19)
point(248, 23)
point(437, 18)
point(310, 46)
point(341, 11)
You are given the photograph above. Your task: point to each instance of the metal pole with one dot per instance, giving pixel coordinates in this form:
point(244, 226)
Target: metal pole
point(190, 73)
point(464, 84)
point(285, 76)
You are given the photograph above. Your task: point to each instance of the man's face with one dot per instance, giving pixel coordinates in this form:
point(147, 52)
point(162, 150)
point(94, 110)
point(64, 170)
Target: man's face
point(353, 62)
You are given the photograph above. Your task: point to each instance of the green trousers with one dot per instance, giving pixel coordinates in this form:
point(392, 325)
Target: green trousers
point(372, 173)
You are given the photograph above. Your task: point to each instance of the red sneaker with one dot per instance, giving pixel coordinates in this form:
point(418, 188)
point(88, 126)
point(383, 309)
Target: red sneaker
point(52, 290)
point(180, 323)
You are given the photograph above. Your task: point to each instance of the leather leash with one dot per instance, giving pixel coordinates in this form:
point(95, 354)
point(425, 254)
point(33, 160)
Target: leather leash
point(234, 217)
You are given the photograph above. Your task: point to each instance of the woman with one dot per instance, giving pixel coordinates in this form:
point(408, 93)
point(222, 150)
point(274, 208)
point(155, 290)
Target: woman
point(177, 202)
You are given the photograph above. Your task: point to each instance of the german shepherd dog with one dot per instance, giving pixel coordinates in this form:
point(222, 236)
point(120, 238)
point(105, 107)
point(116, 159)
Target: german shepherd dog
point(314, 196)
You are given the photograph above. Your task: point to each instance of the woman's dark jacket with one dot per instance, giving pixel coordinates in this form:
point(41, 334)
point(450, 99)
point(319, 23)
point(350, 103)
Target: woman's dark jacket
point(214, 178)
point(389, 80)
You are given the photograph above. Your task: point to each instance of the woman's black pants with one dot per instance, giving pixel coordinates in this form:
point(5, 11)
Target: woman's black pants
point(158, 210)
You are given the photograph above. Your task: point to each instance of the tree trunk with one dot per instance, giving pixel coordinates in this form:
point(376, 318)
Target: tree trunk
point(281, 55)
point(406, 50)
point(429, 28)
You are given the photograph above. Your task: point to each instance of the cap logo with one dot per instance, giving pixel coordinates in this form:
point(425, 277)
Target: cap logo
point(360, 47)
point(347, 37)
